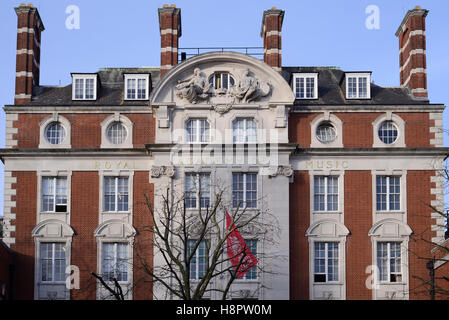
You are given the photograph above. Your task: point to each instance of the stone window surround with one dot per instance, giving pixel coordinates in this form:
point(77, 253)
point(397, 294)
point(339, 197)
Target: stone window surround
point(50, 173)
point(128, 124)
point(338, 125)
point(402, 174)
point(115, 173)
point(400, 124)
point(340, 174)
point(340, 234)
point(55, 117)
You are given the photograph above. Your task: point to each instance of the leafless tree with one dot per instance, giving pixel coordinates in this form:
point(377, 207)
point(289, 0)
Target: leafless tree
point(178, 233)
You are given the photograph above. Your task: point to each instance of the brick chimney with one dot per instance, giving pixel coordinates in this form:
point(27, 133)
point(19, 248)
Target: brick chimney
point(28, 54)
point(412, 51)
point(271, 34)
point(170, 28)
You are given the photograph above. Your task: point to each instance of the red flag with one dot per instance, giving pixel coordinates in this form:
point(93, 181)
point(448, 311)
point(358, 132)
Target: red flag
point(237, 247)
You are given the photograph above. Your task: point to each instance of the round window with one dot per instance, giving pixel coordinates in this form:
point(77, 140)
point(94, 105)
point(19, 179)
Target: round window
point(326, 132)
point(388, 132)
point(116, 133)
point(55, 133)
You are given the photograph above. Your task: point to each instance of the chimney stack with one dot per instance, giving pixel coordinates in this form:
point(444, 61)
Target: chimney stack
point(28, 54)
point(412, 51)
point(271, 34)
point(170, 28)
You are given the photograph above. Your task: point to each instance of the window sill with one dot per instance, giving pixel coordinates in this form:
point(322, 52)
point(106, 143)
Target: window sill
point(329, 283)
point(50, 283)
point(327, 212)
point(389, 212)
point(116, 212)
point(54, 212)
point(391, 283)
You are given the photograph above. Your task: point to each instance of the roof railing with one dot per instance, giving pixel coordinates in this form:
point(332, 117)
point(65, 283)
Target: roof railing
point(185, 53)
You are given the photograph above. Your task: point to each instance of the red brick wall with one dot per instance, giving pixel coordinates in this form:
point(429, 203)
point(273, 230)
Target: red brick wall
point(299, 245)
point(25, 221)
point(358, 219)
point(358, 128)
point(84, 221)
point(5, 261)
point(419, 212)
point(85, 129)
point(143, 242)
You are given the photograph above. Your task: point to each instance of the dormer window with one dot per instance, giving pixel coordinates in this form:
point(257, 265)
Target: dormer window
point(221, 80)
point(136, 86)
point(358, 86)
point(84, 86)
point(305, 85)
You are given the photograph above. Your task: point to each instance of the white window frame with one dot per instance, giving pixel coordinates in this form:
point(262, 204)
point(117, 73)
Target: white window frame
point(84, 77)
point(197, 256)
point(55, 195)
point(197, 190)
point(305, 76)
point(213, 77)
point(53, 259)
point(326, 259)
point(388, 209)
point(137, 77)
point(388, 262)
point(357, 76)
point(243, 204)
point(43, 215)
point(115, 243)
point(326, 179)
point(198, 130)
point(116, 194)
point(245, 130)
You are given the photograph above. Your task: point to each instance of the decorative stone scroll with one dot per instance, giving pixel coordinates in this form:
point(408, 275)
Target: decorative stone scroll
point(158, 171)
point(286, 171)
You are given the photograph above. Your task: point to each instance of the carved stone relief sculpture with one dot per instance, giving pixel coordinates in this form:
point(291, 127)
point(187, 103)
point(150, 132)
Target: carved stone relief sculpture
point(193, 89)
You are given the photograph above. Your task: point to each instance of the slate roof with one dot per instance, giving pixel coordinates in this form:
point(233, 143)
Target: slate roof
point(330, 90)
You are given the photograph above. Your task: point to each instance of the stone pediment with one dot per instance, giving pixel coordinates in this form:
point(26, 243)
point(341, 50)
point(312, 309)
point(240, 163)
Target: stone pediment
point(249, 81)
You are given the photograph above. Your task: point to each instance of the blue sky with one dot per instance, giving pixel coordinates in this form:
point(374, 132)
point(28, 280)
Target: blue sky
point(315, 33)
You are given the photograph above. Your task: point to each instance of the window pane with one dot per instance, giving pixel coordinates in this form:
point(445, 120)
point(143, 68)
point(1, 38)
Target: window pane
point(131, 90)
point(141, 88)
point(299, 87)
point(352, 87)
point(251, 274)
point(190, 190)
point(109, 193)
point(319, 193)
point(89, 88)
point(204, 130)
point(363, 87)
point(382, 257)
point(116, 133)
point(55, 133)
point(381, 193)
point(251, 131)
point(79, 88)
point(326, 132)
point(395, 193)
point(388, 133)
point(320, 260)
point(251, 190)
point(332, 264)
point(237, 190)
point(48, 194)
point(204, 179)
point(122, 194)
point(108, 261)
point(310, 87)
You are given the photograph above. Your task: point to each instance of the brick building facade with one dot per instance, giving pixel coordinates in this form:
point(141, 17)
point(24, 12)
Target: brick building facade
point(357, 166)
